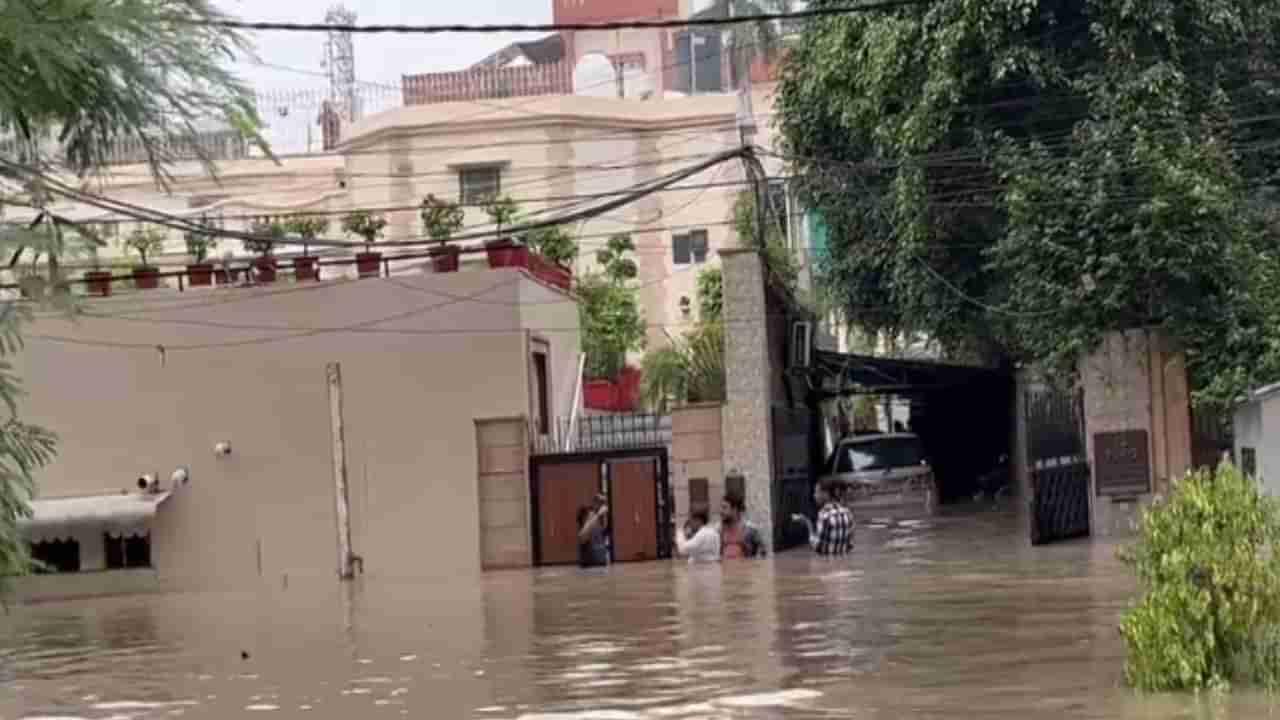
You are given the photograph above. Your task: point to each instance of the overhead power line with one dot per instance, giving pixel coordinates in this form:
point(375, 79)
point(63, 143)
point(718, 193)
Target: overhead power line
point(556, 27)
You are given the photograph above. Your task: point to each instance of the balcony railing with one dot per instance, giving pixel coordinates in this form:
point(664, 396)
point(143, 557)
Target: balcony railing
point(488, 84)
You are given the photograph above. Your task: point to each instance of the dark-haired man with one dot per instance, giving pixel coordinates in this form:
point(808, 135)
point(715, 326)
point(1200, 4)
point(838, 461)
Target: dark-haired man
point(738, 537)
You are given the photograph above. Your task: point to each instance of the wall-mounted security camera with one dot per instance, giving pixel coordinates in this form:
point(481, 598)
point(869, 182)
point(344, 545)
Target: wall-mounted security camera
point(148, 483)
point(180, 477)
point(222, 449)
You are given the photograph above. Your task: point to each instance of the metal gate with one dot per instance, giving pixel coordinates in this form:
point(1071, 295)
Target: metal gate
point(793, 472)
point(623, 457)
point(1058, 465)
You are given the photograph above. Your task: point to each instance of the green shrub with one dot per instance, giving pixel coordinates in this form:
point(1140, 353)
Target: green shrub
point(1210, 613)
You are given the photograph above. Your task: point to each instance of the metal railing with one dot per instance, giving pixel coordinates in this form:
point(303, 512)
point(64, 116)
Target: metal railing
point(601, 433)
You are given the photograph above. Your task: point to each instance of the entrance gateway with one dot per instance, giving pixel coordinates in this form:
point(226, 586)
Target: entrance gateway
point(621, 456)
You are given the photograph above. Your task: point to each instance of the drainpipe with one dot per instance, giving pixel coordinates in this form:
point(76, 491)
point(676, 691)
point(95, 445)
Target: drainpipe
point(577, 404)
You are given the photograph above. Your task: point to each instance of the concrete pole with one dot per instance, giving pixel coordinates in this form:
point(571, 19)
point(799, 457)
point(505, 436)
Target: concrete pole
point(342, 502)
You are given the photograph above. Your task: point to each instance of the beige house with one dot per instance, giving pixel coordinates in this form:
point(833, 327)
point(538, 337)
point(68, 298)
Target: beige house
point(228, 387)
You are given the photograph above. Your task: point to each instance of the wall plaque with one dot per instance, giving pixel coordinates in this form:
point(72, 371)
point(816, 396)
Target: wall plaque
point(1122, 463)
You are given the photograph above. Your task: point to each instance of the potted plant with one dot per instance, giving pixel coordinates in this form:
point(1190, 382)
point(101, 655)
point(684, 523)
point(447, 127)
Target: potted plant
point(554, 252)
point(440, 220)
point(309, 228)
point(504, 251)
point(146, 241)
point(266, 233)
point(199, 244)
point(368, 226)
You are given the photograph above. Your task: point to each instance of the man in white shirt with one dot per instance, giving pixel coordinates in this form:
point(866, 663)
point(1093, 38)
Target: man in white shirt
point(703, 545)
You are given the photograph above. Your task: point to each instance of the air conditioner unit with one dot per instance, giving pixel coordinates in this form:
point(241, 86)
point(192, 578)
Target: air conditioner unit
point(801, 343)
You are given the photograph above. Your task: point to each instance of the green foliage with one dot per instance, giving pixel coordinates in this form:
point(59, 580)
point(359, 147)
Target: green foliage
point(502, 210)
point(690, 369)
point(553, 243)
point(780, 261)
point(364, 224)
point(1016, 178)
point(147, 240)
point(1209, 564)
point(609, 312)
point(268, 232)
point(98, 73)
point(308, 227)
point(199, 244)
point(710, 295)
point(441, 218)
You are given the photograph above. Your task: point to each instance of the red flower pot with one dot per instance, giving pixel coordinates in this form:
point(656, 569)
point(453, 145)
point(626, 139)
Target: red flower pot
point(597, 394)
point(444, 258)
point(146, 278)
point(369, 264)
point(264, 269)
point(99, 282)
point(306, 268)
point(506, 253)
point(551, 273)
point(200, 274)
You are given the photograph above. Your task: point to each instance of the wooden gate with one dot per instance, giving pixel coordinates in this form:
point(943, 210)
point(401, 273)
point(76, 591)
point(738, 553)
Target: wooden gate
point(1058, 466)
point(622, 457)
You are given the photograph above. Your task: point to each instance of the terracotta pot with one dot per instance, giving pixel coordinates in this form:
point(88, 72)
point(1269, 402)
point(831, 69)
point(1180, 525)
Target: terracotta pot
point(200, 274)
point(99, 282)
point(146, 278)
point(506, 253)
point(551, 273)
point(369, 264)
point(264, 269)
point(306, 268)
point(597, 394)
point(444, 258)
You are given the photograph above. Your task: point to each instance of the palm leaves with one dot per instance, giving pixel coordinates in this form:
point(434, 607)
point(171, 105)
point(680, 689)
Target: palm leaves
point(690, 369)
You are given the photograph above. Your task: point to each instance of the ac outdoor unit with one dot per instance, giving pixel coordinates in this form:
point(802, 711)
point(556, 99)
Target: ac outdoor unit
point(801, 343)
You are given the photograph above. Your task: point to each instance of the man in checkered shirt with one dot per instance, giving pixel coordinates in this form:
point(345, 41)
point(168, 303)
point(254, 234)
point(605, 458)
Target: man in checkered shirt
point(833, 534)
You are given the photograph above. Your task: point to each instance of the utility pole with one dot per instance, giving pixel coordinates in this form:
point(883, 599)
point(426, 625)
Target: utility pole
point(342, 502)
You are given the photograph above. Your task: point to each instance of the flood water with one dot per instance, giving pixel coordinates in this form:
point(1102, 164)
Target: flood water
point(955, 618)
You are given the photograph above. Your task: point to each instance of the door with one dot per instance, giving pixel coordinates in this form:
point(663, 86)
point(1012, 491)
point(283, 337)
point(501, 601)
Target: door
point(1059, 470)
point(563, 488)
point(633, 490)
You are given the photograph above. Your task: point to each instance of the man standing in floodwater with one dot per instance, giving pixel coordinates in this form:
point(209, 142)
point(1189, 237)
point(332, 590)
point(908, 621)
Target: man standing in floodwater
point(738, 537)
point(703, 544)
point(833, 534)
point(593, 544)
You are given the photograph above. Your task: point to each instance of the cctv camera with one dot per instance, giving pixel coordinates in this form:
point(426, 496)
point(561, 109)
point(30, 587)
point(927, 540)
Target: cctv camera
point(148, 483)
point(180, 477)
point(222, 449)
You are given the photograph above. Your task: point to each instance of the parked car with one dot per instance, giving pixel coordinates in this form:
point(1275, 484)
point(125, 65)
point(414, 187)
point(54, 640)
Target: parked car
point(884, 475)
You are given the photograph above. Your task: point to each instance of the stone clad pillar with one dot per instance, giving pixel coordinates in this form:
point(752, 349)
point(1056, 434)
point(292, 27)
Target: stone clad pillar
point(1137, 425)
point(747, 440)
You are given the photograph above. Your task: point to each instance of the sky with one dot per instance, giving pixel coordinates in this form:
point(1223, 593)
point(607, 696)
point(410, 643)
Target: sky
point(379, 58)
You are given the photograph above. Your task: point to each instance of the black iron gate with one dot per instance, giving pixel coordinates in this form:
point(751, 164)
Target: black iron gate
point(1059, 468)
point(793, 473)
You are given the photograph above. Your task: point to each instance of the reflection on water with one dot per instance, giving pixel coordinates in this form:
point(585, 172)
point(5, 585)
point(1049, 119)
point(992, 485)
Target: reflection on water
point(954, 618)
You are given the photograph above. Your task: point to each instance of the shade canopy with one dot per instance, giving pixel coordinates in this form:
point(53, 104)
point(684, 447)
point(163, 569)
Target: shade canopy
point(59, 518)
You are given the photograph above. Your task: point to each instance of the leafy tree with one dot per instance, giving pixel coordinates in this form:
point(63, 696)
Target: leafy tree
point(366, 225)
point(1018, 177)
point(91, 75)
point(710, 295)
point(268, 233)
point(308, 227)
point(1208, 558)
point(146, 241)
point(441, 218)
point(778, 258)
point(199, 244)
point(609, 312)
point(690, 369)
point(553, 243)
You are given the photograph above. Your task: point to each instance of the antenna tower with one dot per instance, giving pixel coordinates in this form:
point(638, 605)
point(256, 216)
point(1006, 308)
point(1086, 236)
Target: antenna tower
point(340, 61)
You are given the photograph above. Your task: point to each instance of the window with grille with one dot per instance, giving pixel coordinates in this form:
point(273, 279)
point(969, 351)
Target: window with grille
point(690, 247)
point(479, 185)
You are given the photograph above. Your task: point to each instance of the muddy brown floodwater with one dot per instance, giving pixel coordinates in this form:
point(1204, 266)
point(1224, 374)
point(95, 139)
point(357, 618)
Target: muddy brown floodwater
point(955, 618)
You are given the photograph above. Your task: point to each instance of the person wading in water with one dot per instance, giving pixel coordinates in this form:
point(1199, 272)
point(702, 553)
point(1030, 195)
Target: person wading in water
point(738, 537)
point(593, 543)
point(833, 535)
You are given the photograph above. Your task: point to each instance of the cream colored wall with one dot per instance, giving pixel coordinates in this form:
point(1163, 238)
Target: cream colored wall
point(411, 398)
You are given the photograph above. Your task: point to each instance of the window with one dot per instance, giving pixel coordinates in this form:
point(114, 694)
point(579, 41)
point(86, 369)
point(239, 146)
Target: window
point(133, 551)
point(540, 391)
point(56, 556)
point(479, 185)
point(690, 247)
point(1249, 461)
point(879, 455)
